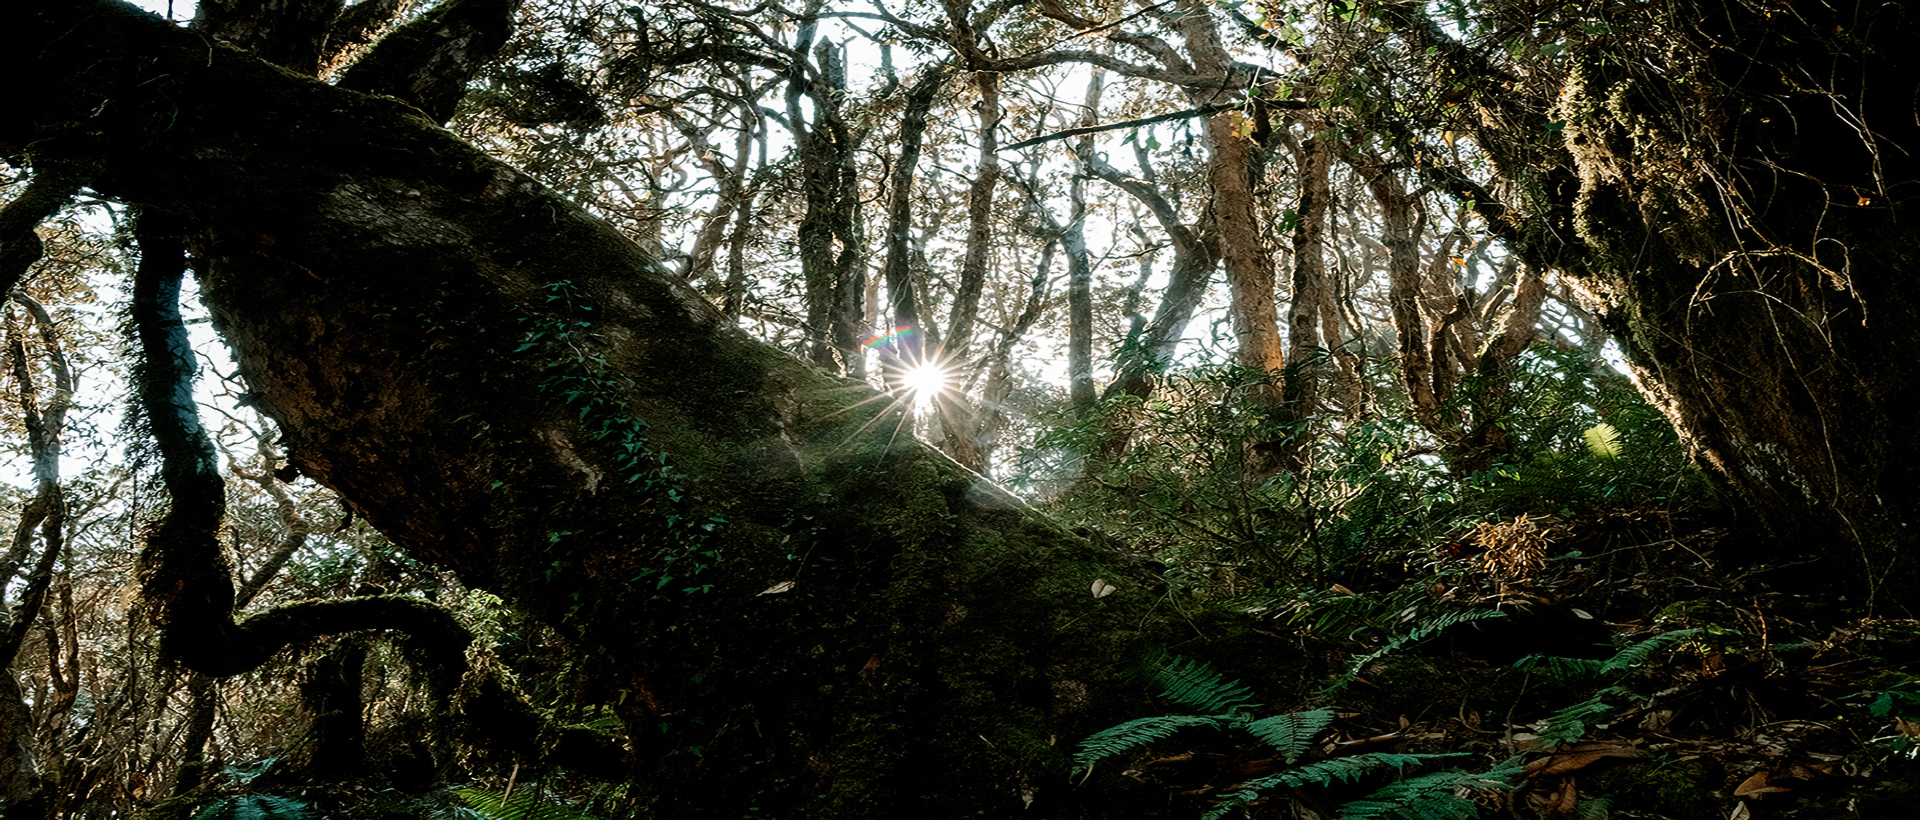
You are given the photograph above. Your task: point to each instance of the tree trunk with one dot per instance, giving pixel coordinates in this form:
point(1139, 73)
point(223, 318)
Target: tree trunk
point(1727, 188)
point(844, 623)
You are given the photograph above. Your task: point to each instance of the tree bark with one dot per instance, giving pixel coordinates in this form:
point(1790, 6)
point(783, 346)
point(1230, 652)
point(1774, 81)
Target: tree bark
point(1725, 184)
point(508, 388)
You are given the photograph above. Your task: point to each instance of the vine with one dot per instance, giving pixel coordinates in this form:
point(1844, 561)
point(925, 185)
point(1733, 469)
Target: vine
point(590, 388)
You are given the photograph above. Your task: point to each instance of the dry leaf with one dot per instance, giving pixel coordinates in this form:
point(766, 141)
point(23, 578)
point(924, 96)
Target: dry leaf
point(1101, 588)
point(1740, 812)
point(1757, 784)
point(776, 589)
point(1579, 757)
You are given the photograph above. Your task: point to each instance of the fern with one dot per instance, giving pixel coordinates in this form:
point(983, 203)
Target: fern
point(1291, 734)
point(1603, 440)
point(1431, 797)
point(1564, 669)
point(1580, 668)
point(254, 807)
point(1638, 654)
point(1324, 773)
point(1568, 725)
point(1426, 629)
point(1196, 685)
point(524, 806)
point(1136, 733)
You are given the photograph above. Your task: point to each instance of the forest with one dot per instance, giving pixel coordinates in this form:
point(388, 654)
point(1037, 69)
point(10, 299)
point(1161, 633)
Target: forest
point(1091, 409)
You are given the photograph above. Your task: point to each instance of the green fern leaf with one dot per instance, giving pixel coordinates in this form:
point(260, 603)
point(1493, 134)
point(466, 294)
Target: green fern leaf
point(1603, 440)
point(1568, 725)
point(1425, 630)
point(1638, 654)
point(1136, 733)
point(523, 806)
point(254, 807)
point(1197, 686)
point(1431, 797)
point(1323, 773)
point(1291, 734)
point(1563, 669)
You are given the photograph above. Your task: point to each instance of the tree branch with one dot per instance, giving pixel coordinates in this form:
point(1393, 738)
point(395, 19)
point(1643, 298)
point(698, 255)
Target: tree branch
point(1190, 113)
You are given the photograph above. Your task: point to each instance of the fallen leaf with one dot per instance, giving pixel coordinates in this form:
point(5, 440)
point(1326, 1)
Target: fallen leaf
point(1579, 756)
point(1101, 588)
point(776, 589)
point(1757, 784)
point(1740, 812)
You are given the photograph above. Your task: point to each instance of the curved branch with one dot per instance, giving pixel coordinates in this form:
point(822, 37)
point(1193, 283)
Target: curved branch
point(51, 188)
point(1190, 113)
point(428, 62)
point(182, 573)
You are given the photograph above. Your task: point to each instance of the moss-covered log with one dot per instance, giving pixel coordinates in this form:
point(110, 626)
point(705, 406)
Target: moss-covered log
point(800, 609)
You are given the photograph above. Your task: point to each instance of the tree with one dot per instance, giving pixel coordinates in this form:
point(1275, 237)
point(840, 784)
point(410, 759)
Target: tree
point(841, 619)
point(1726, 185)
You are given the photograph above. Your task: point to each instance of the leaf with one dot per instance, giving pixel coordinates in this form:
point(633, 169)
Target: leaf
point(1101, 588)
point(1196, 685)
point(1757, 784)
point(1291, 734)
point(1603, 440)
point(1134, 734)
point(776, 589)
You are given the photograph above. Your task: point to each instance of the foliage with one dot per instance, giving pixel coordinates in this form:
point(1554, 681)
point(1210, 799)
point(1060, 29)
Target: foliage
point(578, 373)
point(254, 807)
point(1182, 489)
point(1584, 440)
point(525, 805)
point(1422, 631)
point(1196, 685)
point(1290, 737)
point(1568, 725)
point(1626, 659)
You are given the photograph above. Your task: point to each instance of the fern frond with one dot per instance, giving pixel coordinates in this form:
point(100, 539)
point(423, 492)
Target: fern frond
point(254, 807)
point(1427, 796)
point(1562, 669)
point(1568, 725)
point(1136, 733)
point(1638, 654)
point(1323, 773)
point(1603, 440)
point(1291, 734)
point(524, 806)
point(1196, 685)
point(1427, 629)
point(1431, 797)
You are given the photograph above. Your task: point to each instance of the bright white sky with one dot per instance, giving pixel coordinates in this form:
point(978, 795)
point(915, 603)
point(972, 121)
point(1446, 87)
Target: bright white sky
point(176, 9)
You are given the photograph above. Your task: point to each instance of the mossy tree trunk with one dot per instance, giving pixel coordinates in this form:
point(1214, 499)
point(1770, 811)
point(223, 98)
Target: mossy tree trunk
point(798, 609)
point(1729, 184)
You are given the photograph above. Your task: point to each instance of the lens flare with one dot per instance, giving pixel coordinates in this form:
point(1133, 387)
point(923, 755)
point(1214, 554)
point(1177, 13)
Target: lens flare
point(924, 382)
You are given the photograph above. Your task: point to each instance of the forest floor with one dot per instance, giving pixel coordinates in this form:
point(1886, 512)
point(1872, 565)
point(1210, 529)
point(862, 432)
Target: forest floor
point(1633, 672)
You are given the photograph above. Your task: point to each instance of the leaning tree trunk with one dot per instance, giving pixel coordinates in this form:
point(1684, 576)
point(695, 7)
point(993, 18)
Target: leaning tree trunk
point(843, 622)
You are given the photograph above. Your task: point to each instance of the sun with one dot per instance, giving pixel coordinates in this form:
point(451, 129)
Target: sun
point(924, 382)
